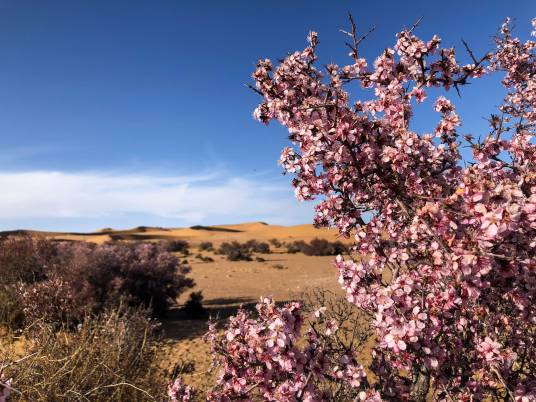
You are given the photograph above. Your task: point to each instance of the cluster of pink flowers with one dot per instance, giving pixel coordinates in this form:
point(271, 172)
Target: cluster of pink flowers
point(179, 392)
point(273, 357)
point(449, 268)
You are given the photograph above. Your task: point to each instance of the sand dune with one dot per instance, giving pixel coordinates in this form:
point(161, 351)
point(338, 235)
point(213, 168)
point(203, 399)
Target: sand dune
point(196, 234)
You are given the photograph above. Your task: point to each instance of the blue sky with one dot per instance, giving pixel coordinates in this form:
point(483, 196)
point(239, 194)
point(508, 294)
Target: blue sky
point(124, 113)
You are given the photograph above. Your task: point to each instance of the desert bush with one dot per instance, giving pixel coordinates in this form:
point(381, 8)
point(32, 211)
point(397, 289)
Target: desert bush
point(136, 274)
point(234, 251)
point(206, 246)
point(295, 247)
point(174, 246)
point(25, 259)
point(11, 310)
point(63, 282)
point(316, 247)
point(107, 358)
point(275, 242)
point(52, 301)
point(260, 259)
point(255, 246)
point(322, 247)
point(194, 306)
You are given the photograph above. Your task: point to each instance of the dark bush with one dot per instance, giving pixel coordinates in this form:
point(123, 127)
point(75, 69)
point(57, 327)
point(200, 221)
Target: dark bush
point(276, 243)
point(174, 246)
point(295, 247)
point(62, 282)
point(25, 259)
point(137, 274)
point(235, 251)
point(194, 306)
point(322, 247)
point(317, 247)
point(255, 246)
point(259, 259)
point(11, 311)
point(206, 246)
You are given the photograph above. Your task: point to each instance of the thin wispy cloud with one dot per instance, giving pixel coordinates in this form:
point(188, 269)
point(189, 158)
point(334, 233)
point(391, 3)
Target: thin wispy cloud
point(105, 197)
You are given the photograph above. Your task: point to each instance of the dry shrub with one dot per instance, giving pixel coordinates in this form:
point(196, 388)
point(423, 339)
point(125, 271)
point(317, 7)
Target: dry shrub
point(255, 246)
point(206, 246)
point(275, 242)
point(204, 258)
point(108, 358)
point(235, 251)
point(25, 259)
point(174, 246)
point(63, 282)
point(295, 246)
point(11, 312)
point(317, 247)
point(52, 301)
point(136, 274)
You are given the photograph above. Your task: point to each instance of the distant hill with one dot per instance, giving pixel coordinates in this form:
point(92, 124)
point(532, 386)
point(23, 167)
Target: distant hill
point(194, 234)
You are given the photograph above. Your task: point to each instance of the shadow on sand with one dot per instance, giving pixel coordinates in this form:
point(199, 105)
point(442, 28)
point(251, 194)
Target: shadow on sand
point(177, 325)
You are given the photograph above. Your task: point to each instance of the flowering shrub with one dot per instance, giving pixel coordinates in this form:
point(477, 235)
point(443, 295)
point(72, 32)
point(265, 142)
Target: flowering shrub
point(179, 392)
point(277, 357)
point(449, 274)
point(51, 300)
point(457, 244)
point(11, 313)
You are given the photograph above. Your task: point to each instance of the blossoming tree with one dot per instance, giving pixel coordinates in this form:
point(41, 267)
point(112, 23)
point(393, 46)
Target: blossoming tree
point(444, 261)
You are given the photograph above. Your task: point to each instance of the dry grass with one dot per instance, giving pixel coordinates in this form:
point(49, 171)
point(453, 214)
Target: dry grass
point(109, 358)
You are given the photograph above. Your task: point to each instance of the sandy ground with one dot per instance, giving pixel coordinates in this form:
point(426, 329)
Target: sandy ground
point(227, 284)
